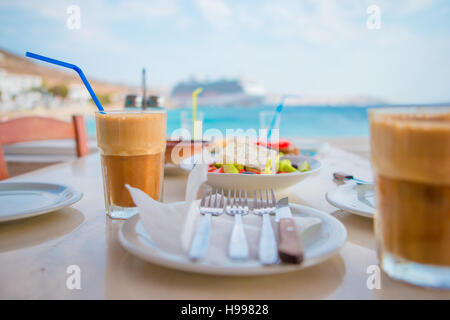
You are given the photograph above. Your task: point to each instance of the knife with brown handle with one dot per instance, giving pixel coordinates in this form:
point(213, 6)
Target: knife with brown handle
point(290, 248)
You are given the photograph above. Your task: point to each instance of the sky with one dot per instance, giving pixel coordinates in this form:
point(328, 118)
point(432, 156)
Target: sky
point(306, 47)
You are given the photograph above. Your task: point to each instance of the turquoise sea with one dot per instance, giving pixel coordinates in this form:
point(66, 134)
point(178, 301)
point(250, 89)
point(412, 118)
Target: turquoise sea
point(295, 121)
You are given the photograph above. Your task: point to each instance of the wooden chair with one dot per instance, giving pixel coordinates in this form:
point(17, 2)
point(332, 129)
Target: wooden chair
point(40, 128)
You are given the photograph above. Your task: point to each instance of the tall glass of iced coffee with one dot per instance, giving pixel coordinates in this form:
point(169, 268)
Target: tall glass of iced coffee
point(132, 146)
point(410, 151)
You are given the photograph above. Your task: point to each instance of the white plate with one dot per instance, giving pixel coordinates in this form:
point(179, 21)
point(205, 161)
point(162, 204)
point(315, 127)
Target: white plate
point(20, 200)
point(355, 198)
point(256, 181)
point(319, 244)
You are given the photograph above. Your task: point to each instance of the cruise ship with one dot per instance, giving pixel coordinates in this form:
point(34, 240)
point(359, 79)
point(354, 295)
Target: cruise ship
point(223, 92)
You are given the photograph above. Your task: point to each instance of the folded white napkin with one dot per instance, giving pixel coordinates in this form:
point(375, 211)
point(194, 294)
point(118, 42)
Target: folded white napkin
point(172, 225)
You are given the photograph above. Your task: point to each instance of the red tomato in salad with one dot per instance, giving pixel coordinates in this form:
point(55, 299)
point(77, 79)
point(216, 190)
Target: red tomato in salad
point(254, 171)
point(281, 144)
point(212, 168)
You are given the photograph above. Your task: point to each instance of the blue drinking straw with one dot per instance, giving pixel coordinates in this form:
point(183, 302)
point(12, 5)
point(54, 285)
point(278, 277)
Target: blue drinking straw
point(276, 115)
point(70, 66)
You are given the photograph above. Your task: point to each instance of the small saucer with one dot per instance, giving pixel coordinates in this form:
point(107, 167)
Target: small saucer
point(355, 198)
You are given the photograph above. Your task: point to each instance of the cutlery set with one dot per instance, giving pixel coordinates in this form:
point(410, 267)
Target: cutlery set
point(288, 249)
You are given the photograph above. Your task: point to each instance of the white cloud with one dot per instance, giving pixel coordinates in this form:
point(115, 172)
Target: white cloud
point(318, 21)
point(314, 21)
point(125, 10)
point(216, 12)
point(328, 21)
point(405, 7)
point(101, 9)
point(306, 46)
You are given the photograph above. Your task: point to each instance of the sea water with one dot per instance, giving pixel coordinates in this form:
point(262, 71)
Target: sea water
point(330, 121)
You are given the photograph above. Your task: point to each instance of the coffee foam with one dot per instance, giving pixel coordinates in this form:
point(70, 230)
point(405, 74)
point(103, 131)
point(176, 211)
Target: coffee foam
point(131, 134)
point(411, 146)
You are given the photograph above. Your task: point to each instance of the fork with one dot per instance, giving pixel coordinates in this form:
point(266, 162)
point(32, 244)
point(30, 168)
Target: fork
point(200, 241)
point(267, 250)
point(238, 248)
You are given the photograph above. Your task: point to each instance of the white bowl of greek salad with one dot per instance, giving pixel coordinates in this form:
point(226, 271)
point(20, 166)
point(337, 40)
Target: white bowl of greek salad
point(248, 165)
